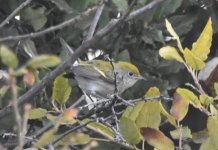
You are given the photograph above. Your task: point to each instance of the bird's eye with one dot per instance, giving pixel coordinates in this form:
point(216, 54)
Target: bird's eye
point(130, 74)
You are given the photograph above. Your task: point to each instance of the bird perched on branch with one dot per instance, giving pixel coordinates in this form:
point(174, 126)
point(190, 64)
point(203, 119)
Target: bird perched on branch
point(101, 79)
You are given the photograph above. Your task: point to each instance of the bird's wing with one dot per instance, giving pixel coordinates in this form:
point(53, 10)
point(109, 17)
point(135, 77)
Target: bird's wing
point(90, 72)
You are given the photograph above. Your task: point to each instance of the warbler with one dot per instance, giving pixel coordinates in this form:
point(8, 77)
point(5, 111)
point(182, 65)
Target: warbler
point(99, 78)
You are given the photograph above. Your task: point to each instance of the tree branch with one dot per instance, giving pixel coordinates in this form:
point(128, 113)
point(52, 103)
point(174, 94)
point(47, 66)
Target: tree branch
point(62, 67)
point(95, 22)
point(147, 7)
point(77, 19)
point(17, 10)
point(52, 28)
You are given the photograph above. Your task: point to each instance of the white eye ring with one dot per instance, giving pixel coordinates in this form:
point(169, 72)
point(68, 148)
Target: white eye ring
point(130, 74)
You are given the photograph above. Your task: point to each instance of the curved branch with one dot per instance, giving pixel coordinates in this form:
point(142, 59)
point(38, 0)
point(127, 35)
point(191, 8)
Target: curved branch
point(76, 19)
point(52, 28)
point(17, 10)
point(78, 52)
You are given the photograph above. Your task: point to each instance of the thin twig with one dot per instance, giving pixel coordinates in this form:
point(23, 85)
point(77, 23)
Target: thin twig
point(196, 81)
point(61, 68)
point(193, 87)
point(95, 22)
point(52, 28)
point(16, 109)
point(6, 135)
point(180, 136)
point(16, 11)
point(95, 103)
point(142, 10)
point(66, 23)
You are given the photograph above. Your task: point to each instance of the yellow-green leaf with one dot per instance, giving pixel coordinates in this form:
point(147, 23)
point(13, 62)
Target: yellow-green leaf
point(185, 132)
point(74, 139)
point(207, 145)
point(37, 113)
point(129, 131)
point(46, 138)
point(216, 88)
point(128, 111)
point(157, 139)
point(149, 116)
point(101, 128)
point(174, 34)
point(67, 118)
point(192, 60)
point(200, 136)
point(152, 92)
point(189, 96)
point(169, 117)
point(133, 112)
point(43, 61)
point(170, 53)
point(212, 124)
point(61, 90)
point(62, 120)
point(8, 57)
point(213, 109)
point(201, 47)
point(35, 16)
point(205, 99)
point(121, 5)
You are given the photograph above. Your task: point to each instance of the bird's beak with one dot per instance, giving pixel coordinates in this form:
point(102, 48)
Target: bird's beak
point(141, 78)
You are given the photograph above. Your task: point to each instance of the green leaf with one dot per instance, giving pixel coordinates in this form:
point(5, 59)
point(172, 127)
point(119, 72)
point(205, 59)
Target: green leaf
point(206, 100)
point(157, 139)
point(61, 90)
point(46, 138)
point(129, 131)
point(149, 116)
point(212, 124)
point(200, 136)
point(8, 57)
point(152, 92)
point(74, 139)
point(136, 111)
point(37, 113)
point(124, 56)
point(189, 96)
point(185, 132)
point(208, 145)
point(133, 112)
point(169, 117)
point(170, 53)
point(102, 129)
point(42, 61)
point(142, 2)
point(216, 88)
point(63, 5)
point(35, 17)
point(68, 118)
point(174, 34)
point(166, 8)
point(192, 60)
point(121, 5)
point(213, 109)
point(201, 47)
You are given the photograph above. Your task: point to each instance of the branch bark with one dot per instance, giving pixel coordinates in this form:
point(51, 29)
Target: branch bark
point(17, 10)
point(52, 28)
point(79, 51)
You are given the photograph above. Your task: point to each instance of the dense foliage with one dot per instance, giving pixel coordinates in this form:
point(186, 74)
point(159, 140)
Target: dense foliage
point(174, 108)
